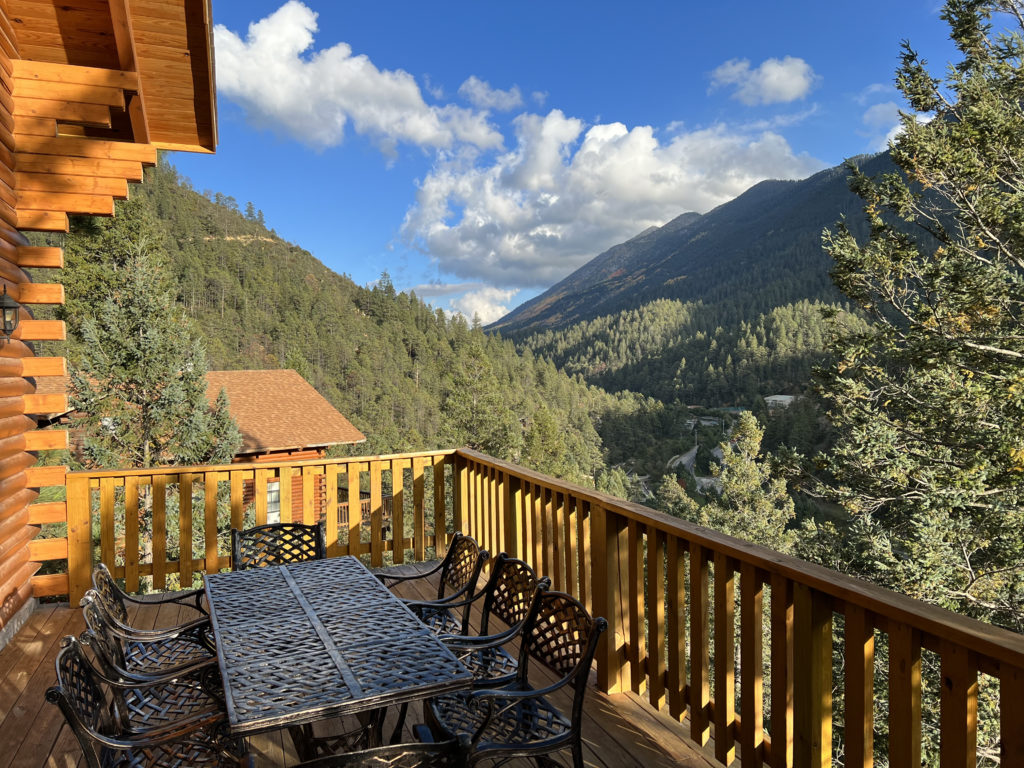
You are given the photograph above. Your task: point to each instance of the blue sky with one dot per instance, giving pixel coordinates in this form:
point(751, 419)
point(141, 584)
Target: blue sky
point(479, 152)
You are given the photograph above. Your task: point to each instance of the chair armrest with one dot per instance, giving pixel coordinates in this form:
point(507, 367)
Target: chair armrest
point(193, 598)
point(389, 581)
point(477, 642)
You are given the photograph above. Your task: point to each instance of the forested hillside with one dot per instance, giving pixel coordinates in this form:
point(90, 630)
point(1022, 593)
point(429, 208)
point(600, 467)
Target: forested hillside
point(694, 352)
point(406, 375)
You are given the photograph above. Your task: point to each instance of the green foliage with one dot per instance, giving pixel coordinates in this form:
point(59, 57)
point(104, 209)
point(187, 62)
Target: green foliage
point(138, 374)
point(708, 354)
point(751, 502)
point(929, 401)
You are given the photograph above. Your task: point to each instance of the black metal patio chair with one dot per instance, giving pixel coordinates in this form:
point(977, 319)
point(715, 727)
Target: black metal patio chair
point(154, 653)
point(156, 700)
point(199, 739)
point(117, 600)
point(508, 597)
point(459, 570)
point(519, 720)
point(276, 544)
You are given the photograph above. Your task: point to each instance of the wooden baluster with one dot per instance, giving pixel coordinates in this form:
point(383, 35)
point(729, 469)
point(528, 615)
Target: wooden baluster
point(497, 517)
point(782, 693)
point(725, 659)
point(259, 499)
point(185, 530)
point(284, 485)
point(544, 529)
point(398, 509)
point(860, 688)
point(440, 530)
point(482, 521)
point(656, 617)
point(331, 510)
point(812, 678)
point(131, 534)
point(460, 485)
point(212, 564)
point(904, 695)
point(700, 693)
point(79, 510)
point(308, 500)
point(1011, 715)
point(568, 530)
point(159, 532)
point(958, 708)
point(355, 511)
point(537, 528)
point(676, 627)
point(419, 510)
point(376, 515)
point(107, 522)
point(514, 522)
point(635, 610)
point(751, 666)
point(235, 481)
point(583, 536)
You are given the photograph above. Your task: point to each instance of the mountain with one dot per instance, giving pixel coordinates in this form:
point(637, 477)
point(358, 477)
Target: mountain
point(408, 376)
point(759, 251)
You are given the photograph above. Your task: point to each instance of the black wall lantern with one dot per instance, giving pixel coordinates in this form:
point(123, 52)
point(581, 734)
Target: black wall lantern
point(9, 311)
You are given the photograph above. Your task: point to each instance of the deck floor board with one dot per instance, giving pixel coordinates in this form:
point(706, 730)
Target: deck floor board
point(619, 730)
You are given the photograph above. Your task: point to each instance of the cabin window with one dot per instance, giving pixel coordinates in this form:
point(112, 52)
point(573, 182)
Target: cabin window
point(274, 502)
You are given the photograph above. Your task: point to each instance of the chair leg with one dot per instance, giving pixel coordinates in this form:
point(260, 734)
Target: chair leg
point(396, 734)
point(577, 753)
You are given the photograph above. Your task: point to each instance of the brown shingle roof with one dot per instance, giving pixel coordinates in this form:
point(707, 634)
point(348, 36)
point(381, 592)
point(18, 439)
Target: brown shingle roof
point(280, 411)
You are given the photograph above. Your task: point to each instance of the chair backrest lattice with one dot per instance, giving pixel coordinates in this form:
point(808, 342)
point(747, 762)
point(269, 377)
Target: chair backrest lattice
point(105, 640)
point(562, 636)
point(80, 697)
point(509, 592)
point(462, 565)
point(108, 591)
point(276, 544)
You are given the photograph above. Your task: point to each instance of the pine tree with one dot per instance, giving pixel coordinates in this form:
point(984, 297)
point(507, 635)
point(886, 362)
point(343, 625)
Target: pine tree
point(138, 381)
point(929, 401)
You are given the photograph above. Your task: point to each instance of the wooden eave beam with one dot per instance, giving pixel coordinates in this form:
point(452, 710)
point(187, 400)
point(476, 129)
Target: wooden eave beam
point(124, 39)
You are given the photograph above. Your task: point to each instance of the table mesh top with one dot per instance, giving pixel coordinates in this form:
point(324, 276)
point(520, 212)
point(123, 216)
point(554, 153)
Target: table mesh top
point(318, 639)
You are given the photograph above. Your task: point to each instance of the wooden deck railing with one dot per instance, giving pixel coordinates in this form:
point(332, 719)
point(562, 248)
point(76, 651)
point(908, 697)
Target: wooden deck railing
point(727, 637)
point(136, 521)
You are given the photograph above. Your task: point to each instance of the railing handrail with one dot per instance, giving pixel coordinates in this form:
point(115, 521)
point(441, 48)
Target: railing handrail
point(201, 469)
point(986, 639)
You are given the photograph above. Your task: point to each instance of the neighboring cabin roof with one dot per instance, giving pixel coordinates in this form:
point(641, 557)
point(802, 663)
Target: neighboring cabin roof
point(171, 44)
point(278, 410)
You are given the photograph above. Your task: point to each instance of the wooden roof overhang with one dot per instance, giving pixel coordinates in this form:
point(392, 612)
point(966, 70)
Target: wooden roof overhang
point(159, 51)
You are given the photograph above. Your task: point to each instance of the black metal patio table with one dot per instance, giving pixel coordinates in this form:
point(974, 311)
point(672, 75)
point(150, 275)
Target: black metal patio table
point(308, 641)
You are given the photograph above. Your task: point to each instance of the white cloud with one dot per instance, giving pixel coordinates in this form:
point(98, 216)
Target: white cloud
point(313, 94)
point(775, 81)
point(480, 94)
point(873, 91)
point(541, 97)
point(487, 304)
point(881, 115)
point(566, 192)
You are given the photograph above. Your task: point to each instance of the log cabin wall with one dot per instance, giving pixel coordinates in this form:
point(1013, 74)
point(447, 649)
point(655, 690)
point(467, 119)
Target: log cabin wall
point(74, 131)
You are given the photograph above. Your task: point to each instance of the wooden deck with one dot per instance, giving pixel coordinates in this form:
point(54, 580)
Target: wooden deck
point(619, 730)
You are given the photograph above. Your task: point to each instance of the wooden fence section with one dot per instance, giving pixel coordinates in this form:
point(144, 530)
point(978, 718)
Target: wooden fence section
point(160, 528)
point(739, 642)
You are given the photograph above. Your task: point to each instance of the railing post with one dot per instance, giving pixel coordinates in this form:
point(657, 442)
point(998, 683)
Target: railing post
point(812, 707)
point(79, 537)
point(606, 530)
point(460, 493)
